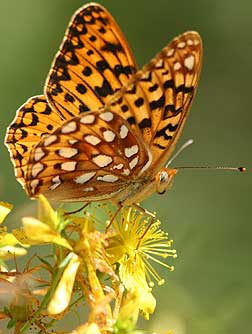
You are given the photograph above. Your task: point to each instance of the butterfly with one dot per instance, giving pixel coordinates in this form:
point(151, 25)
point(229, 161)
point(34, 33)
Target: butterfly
point(103, 129)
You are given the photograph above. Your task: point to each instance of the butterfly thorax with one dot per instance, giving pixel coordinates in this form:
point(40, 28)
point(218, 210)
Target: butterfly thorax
point(139, 189)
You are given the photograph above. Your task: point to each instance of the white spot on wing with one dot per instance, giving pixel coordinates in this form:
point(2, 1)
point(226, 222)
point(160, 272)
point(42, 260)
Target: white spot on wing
point(56, 182)
point(106, 116)
point(69, 127)
point(177, 66)
point(170, 52)
point(91, 139)
point(168, 132)
point(33, 184)
point(73, 141)
point(109, 136)
point(37, 168)
point(146, 76)
point(88, 189)
point(189, 42)
point(124, 131)
point(129, 151)
point(160, 63)
point(134, 162)
point(189, 62)
point(83, 178)
point(50, 140)
point(119, 166)
point(38, 154)
point(108, 178)
point(89, 119)
point(102, 160)
point(181, 45)
point(67, 152)
point(69, 166)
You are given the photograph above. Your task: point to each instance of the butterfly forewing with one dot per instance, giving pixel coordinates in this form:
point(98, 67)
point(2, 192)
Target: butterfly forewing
point(93, 62)
point(156, 101)
point(33, 120)
point(89, 157)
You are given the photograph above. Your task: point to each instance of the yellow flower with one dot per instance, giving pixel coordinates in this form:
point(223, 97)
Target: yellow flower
point(44, 230)
point(138, 241)
point(5, 209)
point(63, 292)
point(8, 240)
point(47, 229)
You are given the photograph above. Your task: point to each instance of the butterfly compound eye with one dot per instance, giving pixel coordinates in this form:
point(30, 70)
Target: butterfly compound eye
point(164, 179)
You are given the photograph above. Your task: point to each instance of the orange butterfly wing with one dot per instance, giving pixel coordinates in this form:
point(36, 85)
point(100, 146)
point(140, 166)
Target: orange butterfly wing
point(90, 157)
point(156, 101)
point(33, 120)
point(93, 62)
point(111, 67)
point(56, 153)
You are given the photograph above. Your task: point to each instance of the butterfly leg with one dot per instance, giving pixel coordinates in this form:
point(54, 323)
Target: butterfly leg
point(114, 216)
point(76, 211)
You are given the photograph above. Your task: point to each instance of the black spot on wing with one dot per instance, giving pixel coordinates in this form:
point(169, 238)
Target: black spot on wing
point(145, 123)
point(112, 47)
point(124, 108)
point(158, 104)
point(69, 98)
point(127, 70)
point(184, 89)
point(92, 38)
point(102, 65)
point(160, 146)
point(87, 71)
point(105, 89)
point(168, 84)
point(153, 88)
point(83, 108)
point(81, 89)
point(139, 102)
point(49, 127)
point(162, 132)
point(131, 120)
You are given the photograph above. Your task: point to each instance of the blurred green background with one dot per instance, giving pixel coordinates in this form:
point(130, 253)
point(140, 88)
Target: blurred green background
point(207, 213)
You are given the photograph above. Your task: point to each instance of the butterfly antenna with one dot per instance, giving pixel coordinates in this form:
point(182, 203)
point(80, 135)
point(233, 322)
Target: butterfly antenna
point(236, 169)
point(181, 149)
point(190, 142)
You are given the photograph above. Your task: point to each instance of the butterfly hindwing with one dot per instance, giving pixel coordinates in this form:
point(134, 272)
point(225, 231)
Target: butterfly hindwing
point(89, 157)
point(93, 62)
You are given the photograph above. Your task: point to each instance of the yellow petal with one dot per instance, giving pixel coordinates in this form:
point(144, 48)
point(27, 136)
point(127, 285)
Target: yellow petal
point(5, 209)
point(8, 239)
point(46, 214)
point(132, 274)
point(63, 292)
point(38, 232)
point(129, 311)
point(7, 252)
point(147, 303)
point(22, 237)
